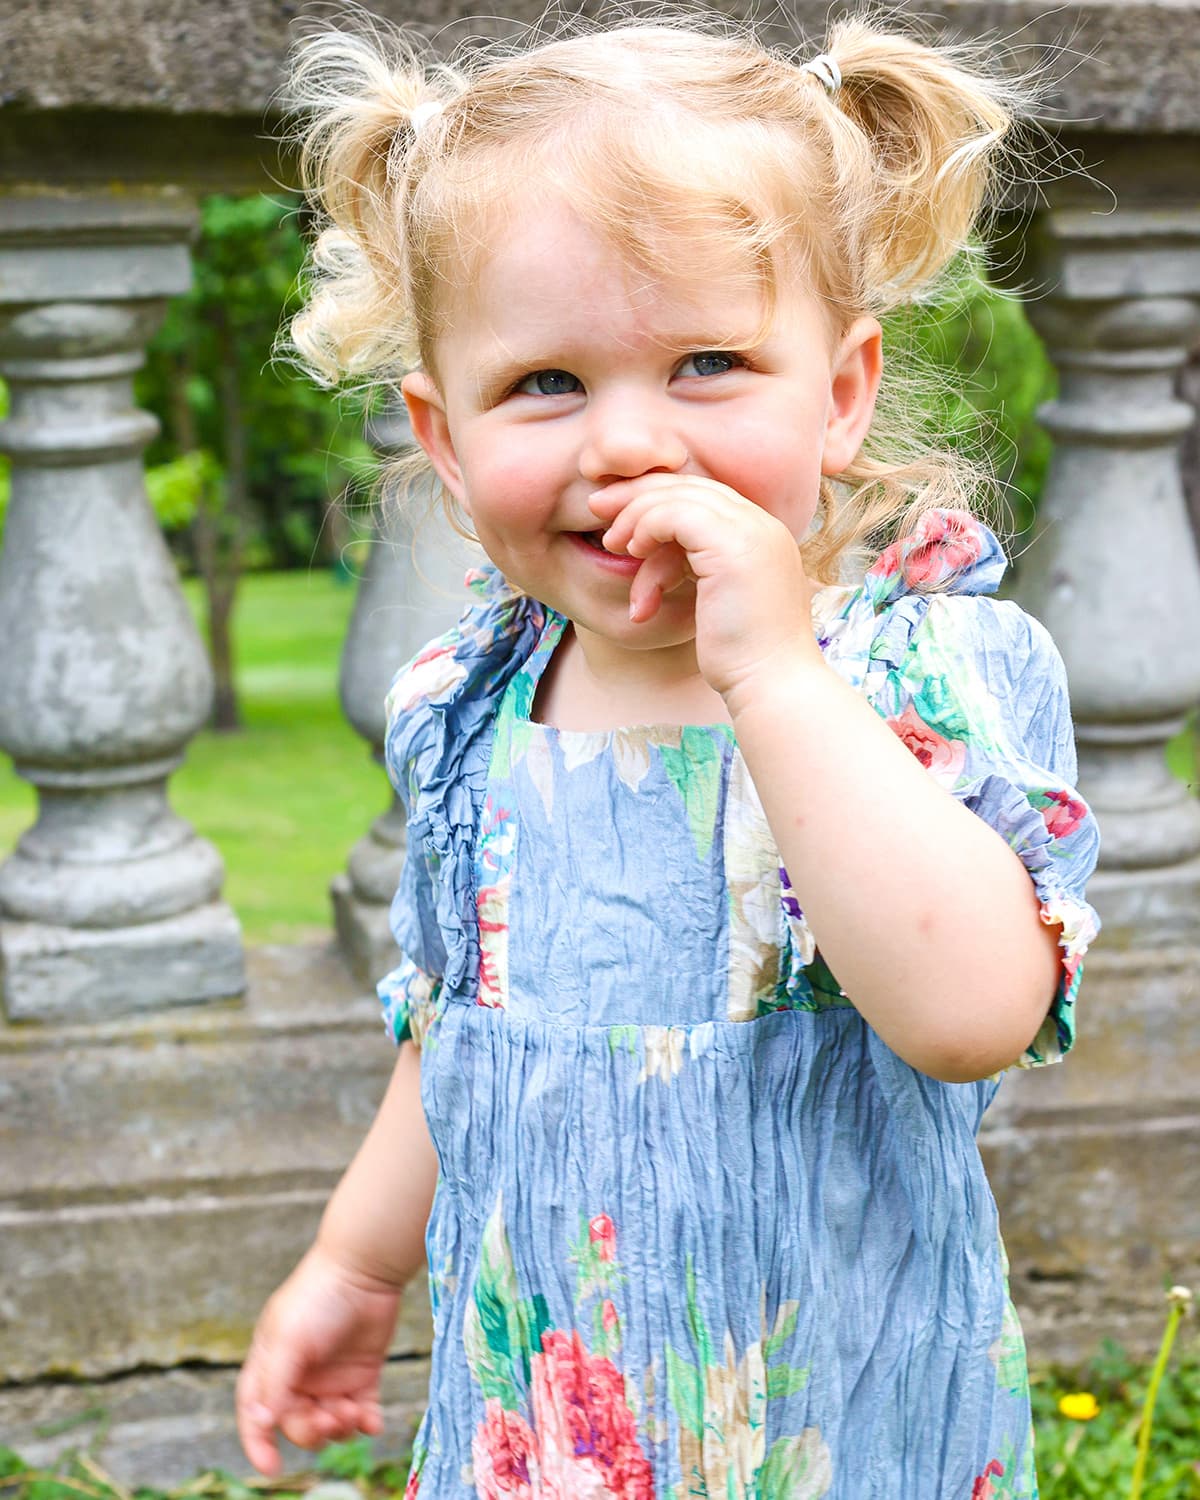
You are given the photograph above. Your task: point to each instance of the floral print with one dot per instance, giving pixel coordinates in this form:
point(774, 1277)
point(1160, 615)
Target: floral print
point(698, 1232)
point(581, 1437)
point(943, 759)
point(722, 1406)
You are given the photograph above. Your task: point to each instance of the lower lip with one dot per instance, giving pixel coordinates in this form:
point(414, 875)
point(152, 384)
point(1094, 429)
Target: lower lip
point(612, 562)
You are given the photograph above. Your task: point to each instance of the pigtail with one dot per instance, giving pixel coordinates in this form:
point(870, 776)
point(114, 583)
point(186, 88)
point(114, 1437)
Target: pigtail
point(369, 110)
point(917, 140)
point(934, 131)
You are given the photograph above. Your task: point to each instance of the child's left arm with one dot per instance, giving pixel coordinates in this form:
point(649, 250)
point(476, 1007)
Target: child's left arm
point(924, 913)
point(927, 918)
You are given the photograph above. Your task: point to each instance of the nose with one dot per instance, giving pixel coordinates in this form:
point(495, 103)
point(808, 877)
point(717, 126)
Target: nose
point(628, 435)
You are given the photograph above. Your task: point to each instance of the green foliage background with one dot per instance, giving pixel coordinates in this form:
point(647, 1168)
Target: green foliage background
point(304, 446)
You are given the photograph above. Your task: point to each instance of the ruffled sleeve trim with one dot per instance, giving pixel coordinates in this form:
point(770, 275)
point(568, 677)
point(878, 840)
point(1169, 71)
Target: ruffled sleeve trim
point(1079, 923)
point(409, 998)
point(440, 711)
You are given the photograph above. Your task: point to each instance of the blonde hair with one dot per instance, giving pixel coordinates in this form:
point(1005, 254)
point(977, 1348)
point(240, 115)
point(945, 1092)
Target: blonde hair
point(659, 134)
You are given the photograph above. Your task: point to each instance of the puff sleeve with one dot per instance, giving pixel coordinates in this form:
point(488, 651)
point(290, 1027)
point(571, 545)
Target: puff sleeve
point(410, 992)
point(977, 690)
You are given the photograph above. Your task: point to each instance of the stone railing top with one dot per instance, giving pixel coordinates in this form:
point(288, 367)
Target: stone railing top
point(80, 78)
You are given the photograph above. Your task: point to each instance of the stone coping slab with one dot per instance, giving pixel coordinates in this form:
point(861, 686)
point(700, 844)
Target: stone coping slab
point(186, 90)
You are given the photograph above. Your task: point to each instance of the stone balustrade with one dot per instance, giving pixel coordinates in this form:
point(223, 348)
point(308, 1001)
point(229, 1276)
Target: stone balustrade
point(176, 1111)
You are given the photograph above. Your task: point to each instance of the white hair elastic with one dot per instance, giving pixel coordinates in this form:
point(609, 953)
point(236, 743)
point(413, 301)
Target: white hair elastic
point(826, 70)
point(423, 113)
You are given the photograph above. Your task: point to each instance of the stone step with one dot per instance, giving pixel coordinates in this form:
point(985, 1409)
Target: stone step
point(163, 1428)
point(100, 1288)
point(159, 1176)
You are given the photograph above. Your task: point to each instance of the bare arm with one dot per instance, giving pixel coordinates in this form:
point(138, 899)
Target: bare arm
point(374, 1225)
point(313, 1368)
point(926, 916)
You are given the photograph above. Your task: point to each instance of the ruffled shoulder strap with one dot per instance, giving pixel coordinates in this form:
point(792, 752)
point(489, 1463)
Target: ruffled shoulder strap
point(452, 686)
point(947, 551)
point(440, 714)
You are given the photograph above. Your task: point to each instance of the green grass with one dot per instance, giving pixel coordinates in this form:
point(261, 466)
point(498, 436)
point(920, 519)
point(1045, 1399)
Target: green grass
point(78, 1476)
point(285, 800)
point(1094, 1460)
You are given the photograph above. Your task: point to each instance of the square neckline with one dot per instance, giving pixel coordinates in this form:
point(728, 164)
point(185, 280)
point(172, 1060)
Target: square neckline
point(533, 668)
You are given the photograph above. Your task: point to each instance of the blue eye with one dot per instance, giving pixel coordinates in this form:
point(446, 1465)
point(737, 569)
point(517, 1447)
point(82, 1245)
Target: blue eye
point(549, 383)
point(709, 362)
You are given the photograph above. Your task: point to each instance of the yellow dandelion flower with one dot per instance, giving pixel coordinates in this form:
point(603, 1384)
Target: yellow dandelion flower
point(1080, 1406)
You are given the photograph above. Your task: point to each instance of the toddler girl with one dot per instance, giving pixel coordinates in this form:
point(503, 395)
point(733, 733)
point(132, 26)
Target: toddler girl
point(731, 883)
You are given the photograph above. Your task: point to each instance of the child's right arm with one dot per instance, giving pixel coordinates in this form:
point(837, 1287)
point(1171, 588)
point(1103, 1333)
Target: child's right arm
point(313, 1369)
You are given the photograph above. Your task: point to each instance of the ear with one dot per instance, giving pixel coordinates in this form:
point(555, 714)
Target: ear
point(854, 384)
point(427, 413)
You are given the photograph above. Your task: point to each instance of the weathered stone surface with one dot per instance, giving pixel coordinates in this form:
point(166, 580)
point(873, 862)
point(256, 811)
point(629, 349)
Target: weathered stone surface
point(1099, 1214)
point(181, 91)
point(157, 1280)
point(172, 1169)
point(1094, 1162)
point(87, 973)
point(167, 1427)
point(1110, 66)
point(110, 901)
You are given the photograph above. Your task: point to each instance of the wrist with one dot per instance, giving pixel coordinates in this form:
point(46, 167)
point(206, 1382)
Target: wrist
point(788, 675)
point(355, 1264)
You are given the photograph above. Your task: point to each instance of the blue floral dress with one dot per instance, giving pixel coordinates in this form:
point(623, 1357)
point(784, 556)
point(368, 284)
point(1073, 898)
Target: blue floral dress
point(698, 1231)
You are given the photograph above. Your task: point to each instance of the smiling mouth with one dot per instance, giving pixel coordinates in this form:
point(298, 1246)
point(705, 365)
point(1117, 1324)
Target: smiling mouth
point(614, 562)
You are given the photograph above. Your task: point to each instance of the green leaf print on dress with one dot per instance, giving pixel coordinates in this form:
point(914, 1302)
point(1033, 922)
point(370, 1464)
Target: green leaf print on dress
point(695, 772)
point(500, 1330)
point(722, 1410)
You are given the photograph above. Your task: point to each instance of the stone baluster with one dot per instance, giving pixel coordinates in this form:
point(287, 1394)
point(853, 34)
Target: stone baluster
point(411, 589)
point(110, 903)
point(1112, 570)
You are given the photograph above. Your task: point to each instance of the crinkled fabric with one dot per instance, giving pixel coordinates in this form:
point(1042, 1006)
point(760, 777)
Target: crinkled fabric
point(698, 1230)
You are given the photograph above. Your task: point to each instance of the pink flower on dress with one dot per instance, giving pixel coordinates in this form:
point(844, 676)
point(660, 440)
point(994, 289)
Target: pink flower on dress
point(505, 1453)
point(604, 1236)
point(608, 1316)
point(983, 1489)
point(942, 758)
point(1062, 813)
point(943, 542)
point(586, 1433)
point(583, 1442)
point(433, 673)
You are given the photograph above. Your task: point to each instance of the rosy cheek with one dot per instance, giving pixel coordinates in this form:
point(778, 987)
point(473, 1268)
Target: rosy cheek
point(500, 481)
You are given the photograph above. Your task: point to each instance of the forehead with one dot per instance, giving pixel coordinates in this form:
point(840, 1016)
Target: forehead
point(538, 270)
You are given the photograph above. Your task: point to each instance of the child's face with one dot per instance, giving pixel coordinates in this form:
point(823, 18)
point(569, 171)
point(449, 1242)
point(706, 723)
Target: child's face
point(560, 374)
